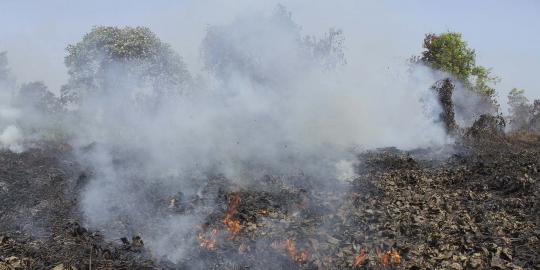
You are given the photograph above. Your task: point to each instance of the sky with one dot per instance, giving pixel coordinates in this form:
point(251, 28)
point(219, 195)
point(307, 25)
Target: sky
point(505, 34)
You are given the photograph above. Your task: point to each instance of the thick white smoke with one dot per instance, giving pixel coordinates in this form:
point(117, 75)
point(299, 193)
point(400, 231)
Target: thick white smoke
point(272, 102)
point(10, 135)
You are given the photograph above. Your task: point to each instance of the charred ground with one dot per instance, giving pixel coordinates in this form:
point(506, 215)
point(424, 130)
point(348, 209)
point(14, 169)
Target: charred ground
point(477, 208)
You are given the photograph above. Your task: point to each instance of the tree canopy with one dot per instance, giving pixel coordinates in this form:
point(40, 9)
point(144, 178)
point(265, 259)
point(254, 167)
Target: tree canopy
point(519, 109)
point(258, 48)
point(105, 53)
point(448, 52)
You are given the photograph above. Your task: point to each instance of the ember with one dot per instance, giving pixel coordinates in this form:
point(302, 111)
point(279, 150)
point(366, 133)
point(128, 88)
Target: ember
point(207, 243)
point(360, 259)
point(233, 225)
point(395, 258)
point(383, 257)
point(291, 249)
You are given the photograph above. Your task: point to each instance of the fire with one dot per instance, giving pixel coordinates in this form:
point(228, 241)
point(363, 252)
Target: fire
point(360, 259)
point(210, 243)
point(301, 257)
point(233, 225)
point(383, 257)
point(395, 258)
point(264, 212)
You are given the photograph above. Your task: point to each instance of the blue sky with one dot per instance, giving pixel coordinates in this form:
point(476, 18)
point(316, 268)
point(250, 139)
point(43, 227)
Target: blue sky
point(505, 34)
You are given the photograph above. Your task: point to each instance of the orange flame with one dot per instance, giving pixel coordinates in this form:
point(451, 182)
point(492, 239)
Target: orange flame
point(383, 257)
point(360, 259)
point(210, 243)
point(233, 225)
point(301, 257)
point(395, 258)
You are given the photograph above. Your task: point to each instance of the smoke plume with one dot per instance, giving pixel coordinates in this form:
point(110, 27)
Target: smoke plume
point(269, 101)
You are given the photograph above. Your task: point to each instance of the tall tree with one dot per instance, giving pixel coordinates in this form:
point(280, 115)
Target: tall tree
point(519, 109)
point(106, 55)
point(448, 52)
point(534, 122)
point(258, 48)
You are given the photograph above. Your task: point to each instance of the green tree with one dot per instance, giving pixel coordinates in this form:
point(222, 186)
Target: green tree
point(519, 109)
point(448, 52)
point(108, 54)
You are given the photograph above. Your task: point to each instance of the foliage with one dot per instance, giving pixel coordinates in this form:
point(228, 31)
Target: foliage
point(448, 52)
point(482, 80)
point(35, 95)
point(534, 122)
point(518, 109)
point(517, 98)
point(257, 48)
point(106, 53)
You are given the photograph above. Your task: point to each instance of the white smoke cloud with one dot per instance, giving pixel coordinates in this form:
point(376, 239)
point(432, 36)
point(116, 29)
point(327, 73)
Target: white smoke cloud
point(271, 101)
point(10, 135)
point(11, 138)
point(269, 106)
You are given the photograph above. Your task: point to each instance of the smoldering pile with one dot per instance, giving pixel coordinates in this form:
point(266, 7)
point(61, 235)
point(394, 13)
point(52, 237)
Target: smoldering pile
point(476, 210)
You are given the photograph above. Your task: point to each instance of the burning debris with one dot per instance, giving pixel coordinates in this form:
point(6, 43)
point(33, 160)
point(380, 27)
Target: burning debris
point(300, 257)
point(487, 205)
point(360, 258)
point(233, 225)
point(207, 242)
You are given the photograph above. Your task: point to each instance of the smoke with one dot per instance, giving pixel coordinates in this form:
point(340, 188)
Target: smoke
point(469, 105)
point(273, 102)
point(270, 101)
point(10, 135)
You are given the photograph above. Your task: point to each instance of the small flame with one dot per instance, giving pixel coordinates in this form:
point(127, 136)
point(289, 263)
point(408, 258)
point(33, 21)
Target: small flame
point(233, 225)
point(264, 212)
point(210, 243)
point(395, 258)
point(301, 257)
point(383, 257)
point(360, 259)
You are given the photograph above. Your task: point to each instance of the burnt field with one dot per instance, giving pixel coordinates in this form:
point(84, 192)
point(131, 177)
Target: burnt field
point(476, 208)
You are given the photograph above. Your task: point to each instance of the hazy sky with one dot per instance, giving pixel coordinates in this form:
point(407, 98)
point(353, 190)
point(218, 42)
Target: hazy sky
point(505, 34)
